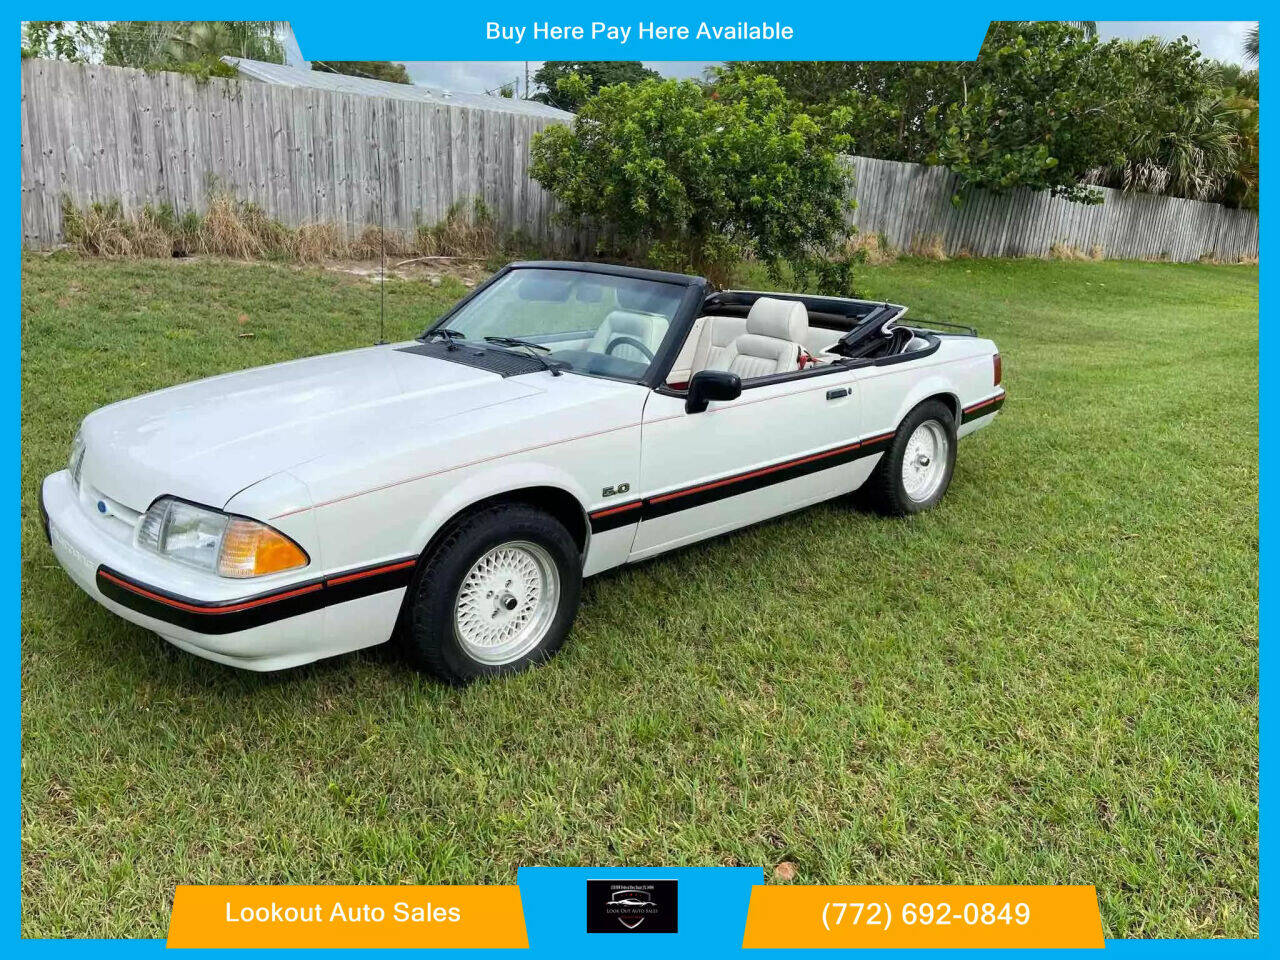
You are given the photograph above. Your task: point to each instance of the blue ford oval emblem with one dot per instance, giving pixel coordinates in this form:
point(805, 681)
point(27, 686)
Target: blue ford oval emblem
point(102, 507)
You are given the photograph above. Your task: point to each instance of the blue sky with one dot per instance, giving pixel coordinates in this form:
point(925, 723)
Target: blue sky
point(1220, 39)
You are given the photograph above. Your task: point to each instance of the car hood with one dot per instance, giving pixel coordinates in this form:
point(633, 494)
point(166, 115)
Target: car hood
point(206, 441)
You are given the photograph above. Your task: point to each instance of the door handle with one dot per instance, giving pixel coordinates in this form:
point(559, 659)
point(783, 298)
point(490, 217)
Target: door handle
point(838, 393)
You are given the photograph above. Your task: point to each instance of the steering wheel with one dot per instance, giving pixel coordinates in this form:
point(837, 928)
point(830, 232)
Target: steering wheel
point(621, 341)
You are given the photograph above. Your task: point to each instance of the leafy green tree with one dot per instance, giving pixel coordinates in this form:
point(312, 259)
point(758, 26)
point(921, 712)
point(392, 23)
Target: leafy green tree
point(1089, 27)
point(1240, 95)
point(885, 103)
point(72, 40)
point(1035, 109)
point(1189, 128)
point(190, 46)
point(696, 179)
point(1251, 44)
point(595, 73)
point(372, 69)
point(1042, 106)
point(206, 39)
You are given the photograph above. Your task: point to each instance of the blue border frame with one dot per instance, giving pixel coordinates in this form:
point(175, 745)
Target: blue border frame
point(823, 32)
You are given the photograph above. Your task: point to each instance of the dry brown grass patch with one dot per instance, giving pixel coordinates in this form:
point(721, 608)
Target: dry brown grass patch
point(317, 242)
point(873, 247)
point(467, 231)
point(243, 231)
point(368, 245)
point(231, 228)
point(928, 247)
point(103, 230)
point(1065, 251)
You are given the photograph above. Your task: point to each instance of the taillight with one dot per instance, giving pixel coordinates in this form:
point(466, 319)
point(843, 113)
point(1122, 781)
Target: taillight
point(998, 369)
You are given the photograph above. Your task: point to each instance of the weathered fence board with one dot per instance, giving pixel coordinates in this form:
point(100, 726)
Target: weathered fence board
point(95, 133)
point(911, 206)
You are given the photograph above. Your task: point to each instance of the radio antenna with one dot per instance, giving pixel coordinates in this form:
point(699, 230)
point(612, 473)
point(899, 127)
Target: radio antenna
point(382, 244)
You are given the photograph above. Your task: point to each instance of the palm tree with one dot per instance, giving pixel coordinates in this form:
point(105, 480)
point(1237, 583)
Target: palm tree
point(1240, 95)
point(1195, 154)
point(1251, 44)
point(164, 44)
point(210, 39)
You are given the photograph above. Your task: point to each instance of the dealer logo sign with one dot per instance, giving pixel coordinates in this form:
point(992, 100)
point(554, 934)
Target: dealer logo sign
point(631, 906)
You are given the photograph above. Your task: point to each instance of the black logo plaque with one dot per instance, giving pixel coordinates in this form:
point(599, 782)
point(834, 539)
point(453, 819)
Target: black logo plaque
point(631, 906)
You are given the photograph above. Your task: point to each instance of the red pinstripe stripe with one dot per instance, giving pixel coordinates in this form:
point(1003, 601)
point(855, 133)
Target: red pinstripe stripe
point(260, 601)
point(982, 403)
point(401, 565)
point(193, 608)
point(612, 510)
point(758, 473)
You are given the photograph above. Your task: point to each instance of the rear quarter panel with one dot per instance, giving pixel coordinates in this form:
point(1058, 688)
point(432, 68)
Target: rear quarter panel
point(961, 369)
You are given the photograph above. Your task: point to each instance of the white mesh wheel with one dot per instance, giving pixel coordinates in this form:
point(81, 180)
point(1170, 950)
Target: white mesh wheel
point(506, 602)
point(924, 462)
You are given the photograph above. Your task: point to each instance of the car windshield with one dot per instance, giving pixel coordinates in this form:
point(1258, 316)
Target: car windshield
point(592, 323)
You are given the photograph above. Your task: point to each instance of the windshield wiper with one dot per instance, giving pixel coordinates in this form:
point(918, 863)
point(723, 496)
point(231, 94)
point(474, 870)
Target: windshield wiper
point(509, 342)
point(517, 342)
point(452, 336)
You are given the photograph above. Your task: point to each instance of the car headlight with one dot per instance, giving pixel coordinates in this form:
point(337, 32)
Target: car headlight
point(76, 460)
point(227, 545)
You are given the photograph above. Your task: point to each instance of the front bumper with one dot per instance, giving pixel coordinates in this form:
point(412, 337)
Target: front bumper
point(281, 625)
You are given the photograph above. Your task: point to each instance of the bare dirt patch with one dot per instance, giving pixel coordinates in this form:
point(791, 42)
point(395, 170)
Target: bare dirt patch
point(423, 269)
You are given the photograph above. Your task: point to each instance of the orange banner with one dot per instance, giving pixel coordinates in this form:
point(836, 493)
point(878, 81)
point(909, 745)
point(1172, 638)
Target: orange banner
point(844, 917)
point(396, 916)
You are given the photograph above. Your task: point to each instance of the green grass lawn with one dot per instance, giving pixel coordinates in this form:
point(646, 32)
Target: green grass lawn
point(1052, 678)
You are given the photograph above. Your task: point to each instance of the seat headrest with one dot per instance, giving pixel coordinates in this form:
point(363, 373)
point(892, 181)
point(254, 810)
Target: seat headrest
point(638, 325)
point(780, 319)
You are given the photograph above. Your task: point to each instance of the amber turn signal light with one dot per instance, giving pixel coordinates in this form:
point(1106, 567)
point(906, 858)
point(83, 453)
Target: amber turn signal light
point(252, 549)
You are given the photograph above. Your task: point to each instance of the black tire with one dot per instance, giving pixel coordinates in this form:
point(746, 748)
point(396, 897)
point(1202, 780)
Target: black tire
point(430, 640)
point(884, 491)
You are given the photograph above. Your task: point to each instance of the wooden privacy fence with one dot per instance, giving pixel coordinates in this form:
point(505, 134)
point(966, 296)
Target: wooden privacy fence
point(910, 204)
point(98, 133)
point(95, 133)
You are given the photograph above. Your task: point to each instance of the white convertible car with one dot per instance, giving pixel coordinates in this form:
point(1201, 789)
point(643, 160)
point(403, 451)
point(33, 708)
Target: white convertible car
point(453, 491)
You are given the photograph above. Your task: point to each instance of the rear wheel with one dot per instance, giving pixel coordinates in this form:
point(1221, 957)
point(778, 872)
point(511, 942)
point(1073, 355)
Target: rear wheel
point(914, 473)
point(496, 595)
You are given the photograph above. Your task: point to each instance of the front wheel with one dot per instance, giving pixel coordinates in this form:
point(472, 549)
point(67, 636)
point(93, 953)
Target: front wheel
point(496, 595)
point(916, 470)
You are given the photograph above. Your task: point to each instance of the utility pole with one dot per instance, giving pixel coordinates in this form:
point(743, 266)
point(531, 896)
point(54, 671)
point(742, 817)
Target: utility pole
point(526, 79)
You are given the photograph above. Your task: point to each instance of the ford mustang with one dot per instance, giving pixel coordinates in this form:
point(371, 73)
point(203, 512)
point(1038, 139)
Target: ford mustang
point(453, 491)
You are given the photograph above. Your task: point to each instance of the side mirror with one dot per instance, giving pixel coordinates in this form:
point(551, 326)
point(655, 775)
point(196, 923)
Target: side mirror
point(708, 385)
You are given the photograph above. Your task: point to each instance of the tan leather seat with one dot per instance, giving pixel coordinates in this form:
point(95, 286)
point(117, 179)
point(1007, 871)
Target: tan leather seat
point(774, 330)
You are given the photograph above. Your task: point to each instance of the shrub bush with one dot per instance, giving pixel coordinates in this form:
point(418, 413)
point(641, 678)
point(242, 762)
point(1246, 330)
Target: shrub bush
point(692, 179)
